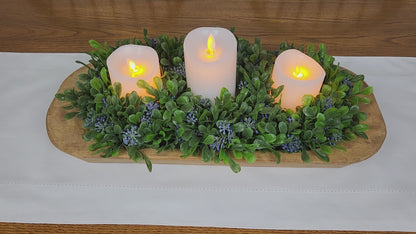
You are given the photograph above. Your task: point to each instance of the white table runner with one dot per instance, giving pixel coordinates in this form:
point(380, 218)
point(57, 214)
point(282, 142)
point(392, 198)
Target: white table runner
point(39, 183)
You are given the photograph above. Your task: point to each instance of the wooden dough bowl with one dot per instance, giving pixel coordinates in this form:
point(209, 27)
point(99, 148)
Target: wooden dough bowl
point(66, 135)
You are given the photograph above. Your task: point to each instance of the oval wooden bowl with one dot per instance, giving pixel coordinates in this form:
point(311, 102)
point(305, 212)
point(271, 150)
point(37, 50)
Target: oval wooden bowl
point(66, 135)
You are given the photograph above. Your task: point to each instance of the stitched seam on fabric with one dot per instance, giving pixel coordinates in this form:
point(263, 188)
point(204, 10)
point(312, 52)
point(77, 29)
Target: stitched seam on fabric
point(208, 188)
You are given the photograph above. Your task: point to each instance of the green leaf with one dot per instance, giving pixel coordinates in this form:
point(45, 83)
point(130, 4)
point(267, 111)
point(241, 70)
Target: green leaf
point(362, 116)
point(117, 129)
point(362, 135)
point(90, 135)
point(96, 84)
point(60, 96)
point(164, 62)
point(70, 107)
point(177, 61)
point(270, 138)
point(360, 128)
point(134, 154)
point(233, 165)
point(207, 154)
point(225, 94)
point(320, 117)
point(182, 100)
point(277, 155)
point(238, 154)
point(148, 163)
point(257, 83)
point(149, 137)
point(309, 111)
point(350, 136)
point(249, 156)
point(326, 149)
point(158, 82)
point(321, 155)
point(326, 90)
point(170, 106)
point(253, 58)
point(97, 146)
point(187, 134)
point(172, 87)
point(165, 47)
point(179, 116)
point(223, 156)
point(367, 91)
point(354, 109)
point(305, 156)
point(271, 127)
point(187, 107)
point(144, 85)
point(167, 115)
point(133, 98)
point(283, 127)
point(307, 100)
point(307, 135)
point(343, 110)
point(241, 96)
point(185, 148)
point(244, 107)
point(278, 91)
point(117, 88)
point(70, 115)
point(148, 99)
point(203, 129)
point(156, 114)
point(238, 127)
point(94, 44)
point(356, 88)
point(209, 140)
point(364, 100)
point(340, 147)
point(339, 77)
point(247, 133)
point(280, 139)
point(103, 74)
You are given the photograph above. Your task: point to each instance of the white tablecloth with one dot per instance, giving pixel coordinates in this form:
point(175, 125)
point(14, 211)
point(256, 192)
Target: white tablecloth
point(41, 184)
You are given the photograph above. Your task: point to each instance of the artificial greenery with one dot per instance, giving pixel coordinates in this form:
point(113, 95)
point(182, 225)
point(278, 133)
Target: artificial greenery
point(228, 129)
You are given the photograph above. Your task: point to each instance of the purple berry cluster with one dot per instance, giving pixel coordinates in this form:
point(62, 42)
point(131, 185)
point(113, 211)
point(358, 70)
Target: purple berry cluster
point(101, 123)
point(226, 136)
point(293, 146)
point(148, 112)
point(130, 136)
point(191, 117)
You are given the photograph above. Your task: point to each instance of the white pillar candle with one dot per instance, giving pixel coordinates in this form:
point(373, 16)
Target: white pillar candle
point(300, 75)
point(210, 61)
point(130, 63)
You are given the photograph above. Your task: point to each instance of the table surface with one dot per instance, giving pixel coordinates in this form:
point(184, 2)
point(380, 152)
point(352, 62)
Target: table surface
point(351, 28)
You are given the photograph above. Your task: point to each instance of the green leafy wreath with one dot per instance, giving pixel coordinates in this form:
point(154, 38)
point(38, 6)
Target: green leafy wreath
point(233, 127)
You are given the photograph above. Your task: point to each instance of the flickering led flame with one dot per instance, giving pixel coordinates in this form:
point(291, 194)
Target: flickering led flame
point(300, 72)
point(135, 70)
point(210, 46)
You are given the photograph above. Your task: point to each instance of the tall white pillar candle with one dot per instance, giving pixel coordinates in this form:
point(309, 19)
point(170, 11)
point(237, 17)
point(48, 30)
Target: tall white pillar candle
point(300, 75)
point(210, 61)
point(130, 63)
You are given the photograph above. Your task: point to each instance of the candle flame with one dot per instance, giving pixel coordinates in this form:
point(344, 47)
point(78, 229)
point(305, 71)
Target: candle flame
point(210, 45)
point(135, 70)
point(300, 72)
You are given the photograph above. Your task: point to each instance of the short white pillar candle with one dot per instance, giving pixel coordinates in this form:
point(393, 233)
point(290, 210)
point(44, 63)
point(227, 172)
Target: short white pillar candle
point(130, 63)
point(300, 75)
point(210, 61)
